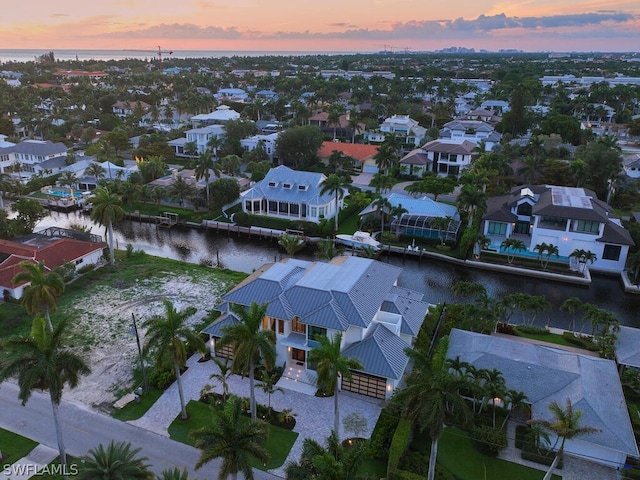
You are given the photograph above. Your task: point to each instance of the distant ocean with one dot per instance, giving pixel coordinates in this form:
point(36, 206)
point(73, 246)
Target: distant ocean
point(60, 54)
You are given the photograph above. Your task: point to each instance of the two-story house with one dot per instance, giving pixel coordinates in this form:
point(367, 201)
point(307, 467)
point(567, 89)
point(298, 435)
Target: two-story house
point(291, 194)
point(268, 141)
point(32, 156)
point(307, 300)
point(472, 130)
point(444, 157)
point(567, 217)
point(402, 126)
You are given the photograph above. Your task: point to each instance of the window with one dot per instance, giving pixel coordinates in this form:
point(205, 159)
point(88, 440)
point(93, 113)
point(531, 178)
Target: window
point(273, 206)
point(497, 228)
point(287, 186)
point(321, 212)
point(611, 252)
point(280, 327)
point(587, 226)
point(313, 211)
point(302, 187)
point(248, 205)
point(316, 333)
point(524, 209)
point(273, 184)
point(298, 326)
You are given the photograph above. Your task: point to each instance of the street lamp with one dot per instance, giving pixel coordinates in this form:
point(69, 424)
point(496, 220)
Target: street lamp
point(134, 331)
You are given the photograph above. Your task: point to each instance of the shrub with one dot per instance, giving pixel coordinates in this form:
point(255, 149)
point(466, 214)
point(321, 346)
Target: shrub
point(382, 434)
point(505, 328)
point(86, 268)
point(582, 342)
point(399, 444)
point(66, 271)
point(489, 441)
point(161, 379)
point(532, 330)
point(129, 250)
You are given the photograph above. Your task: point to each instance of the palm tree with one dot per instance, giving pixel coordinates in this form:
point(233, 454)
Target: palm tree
point(95, 170)
point(204, 164)
point(250, 344)
point(336, 186)
point(291, 243)
point(174, 474)
point(68, 179)
point(41, 295)
point(327, 249)
point(331, 365)
point(223, 376)
point(494, 387)
point(117, 461)
point(515, 399)
point(396, 213)
point(565, 425)
point(441, 224)
point(40, 361)
point(169, 335)
point(545, 251)
point(431, 396)
point(233, 439)
point(381, 204)
point(472, 201)
point(268, 386)
point(571, 305)
point(511, 246)
point(583, 257)
point(331, 462)
point(107, 210)
point(180, 190)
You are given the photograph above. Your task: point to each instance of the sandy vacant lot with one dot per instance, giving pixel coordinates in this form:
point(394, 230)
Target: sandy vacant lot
point(101, 325)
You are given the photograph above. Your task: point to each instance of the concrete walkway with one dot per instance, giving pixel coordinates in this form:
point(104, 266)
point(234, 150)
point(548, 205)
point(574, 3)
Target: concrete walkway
point(31, 464)
point(314, 415)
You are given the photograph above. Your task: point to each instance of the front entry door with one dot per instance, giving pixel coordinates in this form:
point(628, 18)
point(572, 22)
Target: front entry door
point(297, 355)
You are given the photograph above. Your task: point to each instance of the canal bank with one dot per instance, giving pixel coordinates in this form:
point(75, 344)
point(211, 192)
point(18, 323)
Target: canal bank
point(432, 275)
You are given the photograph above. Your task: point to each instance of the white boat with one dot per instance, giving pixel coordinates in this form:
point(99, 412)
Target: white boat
point(359, 240)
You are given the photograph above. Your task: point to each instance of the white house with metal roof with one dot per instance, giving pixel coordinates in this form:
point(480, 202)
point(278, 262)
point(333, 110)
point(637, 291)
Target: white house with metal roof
point(569, 218)
point(307, 300)
point(291, 194)
point(221, 114)
point(547, 374)
point(30, 154)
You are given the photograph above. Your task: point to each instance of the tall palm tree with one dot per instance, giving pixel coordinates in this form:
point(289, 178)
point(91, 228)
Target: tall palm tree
point(383, 205)
point(471, 200)
point(174, 474)
point(95, 170)
point(442, 225)
point(232, 439)
point(331, 365)
point(41, 295)
point(115, 462)
point(331, 462)
point(40, 361)
point(336, 186)
point(565, 425)
point(571, 305)
point(511, 246)
point(583, 257)
point(107, 210)
point(68, 179)
point(223, 376)
point(432, 396)
point(168, 334)
point(545, 251)
point(204, 164)
point(250, 343)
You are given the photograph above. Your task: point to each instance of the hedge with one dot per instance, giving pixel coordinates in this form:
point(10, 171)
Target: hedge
point(581, 342)
point(399, 445)
point(245, 220)
point(489, 441)
point(382, 434)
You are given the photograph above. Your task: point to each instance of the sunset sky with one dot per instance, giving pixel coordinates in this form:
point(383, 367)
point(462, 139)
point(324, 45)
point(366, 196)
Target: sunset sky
point(328, 25)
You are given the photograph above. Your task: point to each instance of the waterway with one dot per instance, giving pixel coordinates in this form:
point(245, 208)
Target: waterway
point(434, 278)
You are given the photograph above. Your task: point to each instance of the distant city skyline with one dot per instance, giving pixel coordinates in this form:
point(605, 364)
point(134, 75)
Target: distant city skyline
point(303, 25)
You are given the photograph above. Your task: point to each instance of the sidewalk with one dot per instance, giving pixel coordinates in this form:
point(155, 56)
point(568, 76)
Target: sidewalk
point(314, 415)
point(28, 466)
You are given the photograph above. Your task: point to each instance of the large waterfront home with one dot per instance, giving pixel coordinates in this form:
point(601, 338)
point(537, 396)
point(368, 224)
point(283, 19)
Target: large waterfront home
point(566, 217)
point(30, 157)
point(291, 194)
point(307, 300)
point(547, 374)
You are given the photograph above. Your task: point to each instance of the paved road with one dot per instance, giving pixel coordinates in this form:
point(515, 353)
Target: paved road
point(85, 429)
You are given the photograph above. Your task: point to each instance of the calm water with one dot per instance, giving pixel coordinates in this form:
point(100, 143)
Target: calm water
point(433, 278)
point(29, 55)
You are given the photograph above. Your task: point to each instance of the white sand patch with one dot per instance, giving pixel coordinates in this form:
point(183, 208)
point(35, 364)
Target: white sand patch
point(101, 322)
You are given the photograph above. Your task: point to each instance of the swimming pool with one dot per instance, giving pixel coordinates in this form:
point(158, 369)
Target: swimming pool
point(526, 254)
point(64, 194)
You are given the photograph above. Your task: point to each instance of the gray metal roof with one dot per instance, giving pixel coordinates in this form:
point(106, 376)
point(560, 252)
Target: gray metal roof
point(39, 147)
point(412, 311)
point(614, 233)
point(628, 346)
point(546, 374)
point(289, 185)
point(217, 327)
point(381, 353)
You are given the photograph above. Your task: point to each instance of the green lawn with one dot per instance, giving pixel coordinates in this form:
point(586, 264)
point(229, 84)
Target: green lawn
point(349, 224)
point(157, 210)
point(14, 446)
point(549, 338)
point(456, 452)
point(135, 410)
point(278, 445)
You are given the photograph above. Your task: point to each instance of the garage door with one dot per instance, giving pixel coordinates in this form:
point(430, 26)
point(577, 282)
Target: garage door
point(366, 384)
point(224, 352)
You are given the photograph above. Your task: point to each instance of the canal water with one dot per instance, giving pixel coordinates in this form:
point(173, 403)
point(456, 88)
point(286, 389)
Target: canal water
point(432, 277)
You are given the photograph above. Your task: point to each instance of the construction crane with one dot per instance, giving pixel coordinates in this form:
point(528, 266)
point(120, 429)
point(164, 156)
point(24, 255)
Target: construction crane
point(159, 51)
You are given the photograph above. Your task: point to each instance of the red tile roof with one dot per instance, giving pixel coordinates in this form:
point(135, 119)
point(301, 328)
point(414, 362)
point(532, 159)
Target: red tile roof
point(53, 253)
point(357, 151)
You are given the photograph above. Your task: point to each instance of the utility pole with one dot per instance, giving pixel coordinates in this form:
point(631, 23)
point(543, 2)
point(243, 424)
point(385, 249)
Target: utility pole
point(144, 373)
